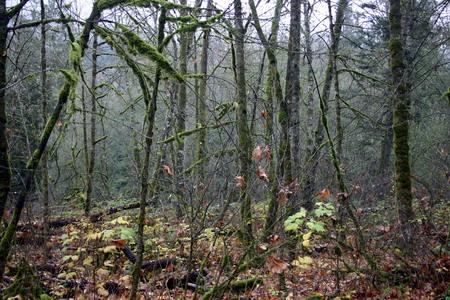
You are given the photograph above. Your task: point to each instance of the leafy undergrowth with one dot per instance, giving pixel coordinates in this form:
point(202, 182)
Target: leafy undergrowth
point(89, 261)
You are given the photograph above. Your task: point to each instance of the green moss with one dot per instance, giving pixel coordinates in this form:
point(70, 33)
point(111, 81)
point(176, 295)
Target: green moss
point(237, 287)
point(157, 3)
point(26, 285)
point(34, 159)
point(191, 27)
point(107, 4)
point(282, 116)
point(75, 53)
point(150, 52)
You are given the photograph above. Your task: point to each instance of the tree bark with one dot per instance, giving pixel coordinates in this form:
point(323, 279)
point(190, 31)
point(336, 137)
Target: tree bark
point(91, 159)
point(403, 193)
point(45, 181)
point(201, 152)
point(150, 118)
point(293, 98)
point(274, 95)
point(244, 142)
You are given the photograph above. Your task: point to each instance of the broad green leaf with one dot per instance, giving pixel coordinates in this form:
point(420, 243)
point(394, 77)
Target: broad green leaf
point(127, 233)
point(291, 226)
point(107, 233)
point(319, 226)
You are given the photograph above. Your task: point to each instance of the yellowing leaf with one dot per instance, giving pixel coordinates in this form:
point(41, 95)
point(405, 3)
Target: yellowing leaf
point(92, 235)
point(107, 249)
point(88, 261)
point(102, 291)
point(102, 272)
point(306, 243)
point(61, 275)
point(108, 263)
point(307, 236)
point(303, 262)
point(119, 220)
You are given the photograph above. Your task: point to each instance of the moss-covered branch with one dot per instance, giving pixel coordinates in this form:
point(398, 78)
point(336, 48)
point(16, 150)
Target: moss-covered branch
point(41, 22)
point(150, 52)
point(192, 131)
point(237, 287)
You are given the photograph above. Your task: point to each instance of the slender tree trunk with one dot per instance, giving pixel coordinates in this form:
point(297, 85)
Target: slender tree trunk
point(201, 152)
point(150, 119)
point(310, 163)
point(293, 97)
point(244, 139)
point(335, 28)
point(91, 160)
point(274, 93)
point(181, 116)
point(45, 182)
point(5, 172)
point(63, 97)
point(403, 194)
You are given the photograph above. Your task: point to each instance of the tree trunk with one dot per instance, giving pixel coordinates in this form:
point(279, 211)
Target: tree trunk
point(403, 194)
point(45, 181)
point(273, 88)
point(244, 143)
point(150, 119)
point(5, 172)
point(201, 153)
point(310, 163)
point(293, 98)
point(63, 97)
point(91, 159)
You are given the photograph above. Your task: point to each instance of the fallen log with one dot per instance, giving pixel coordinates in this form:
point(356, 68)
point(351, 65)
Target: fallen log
point(151, 265)
point(71, 220)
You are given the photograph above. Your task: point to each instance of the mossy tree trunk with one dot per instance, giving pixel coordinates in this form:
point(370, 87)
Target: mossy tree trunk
point(63, 97)
point(45, 181)
point(91, 159)
point(292, 92)
point(181, 115)
point(403, 193)
point(274, 94)
point(5, 172)
point(244, 143)
point(150, 120)
point(335, 29)
point(309, 166)
point(201, 110)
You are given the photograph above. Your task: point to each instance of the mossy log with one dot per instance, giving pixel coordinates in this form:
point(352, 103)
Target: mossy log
point(236, 287)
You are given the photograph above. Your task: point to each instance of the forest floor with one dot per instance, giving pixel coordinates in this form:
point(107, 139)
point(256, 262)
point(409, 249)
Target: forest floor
point(93, 260)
